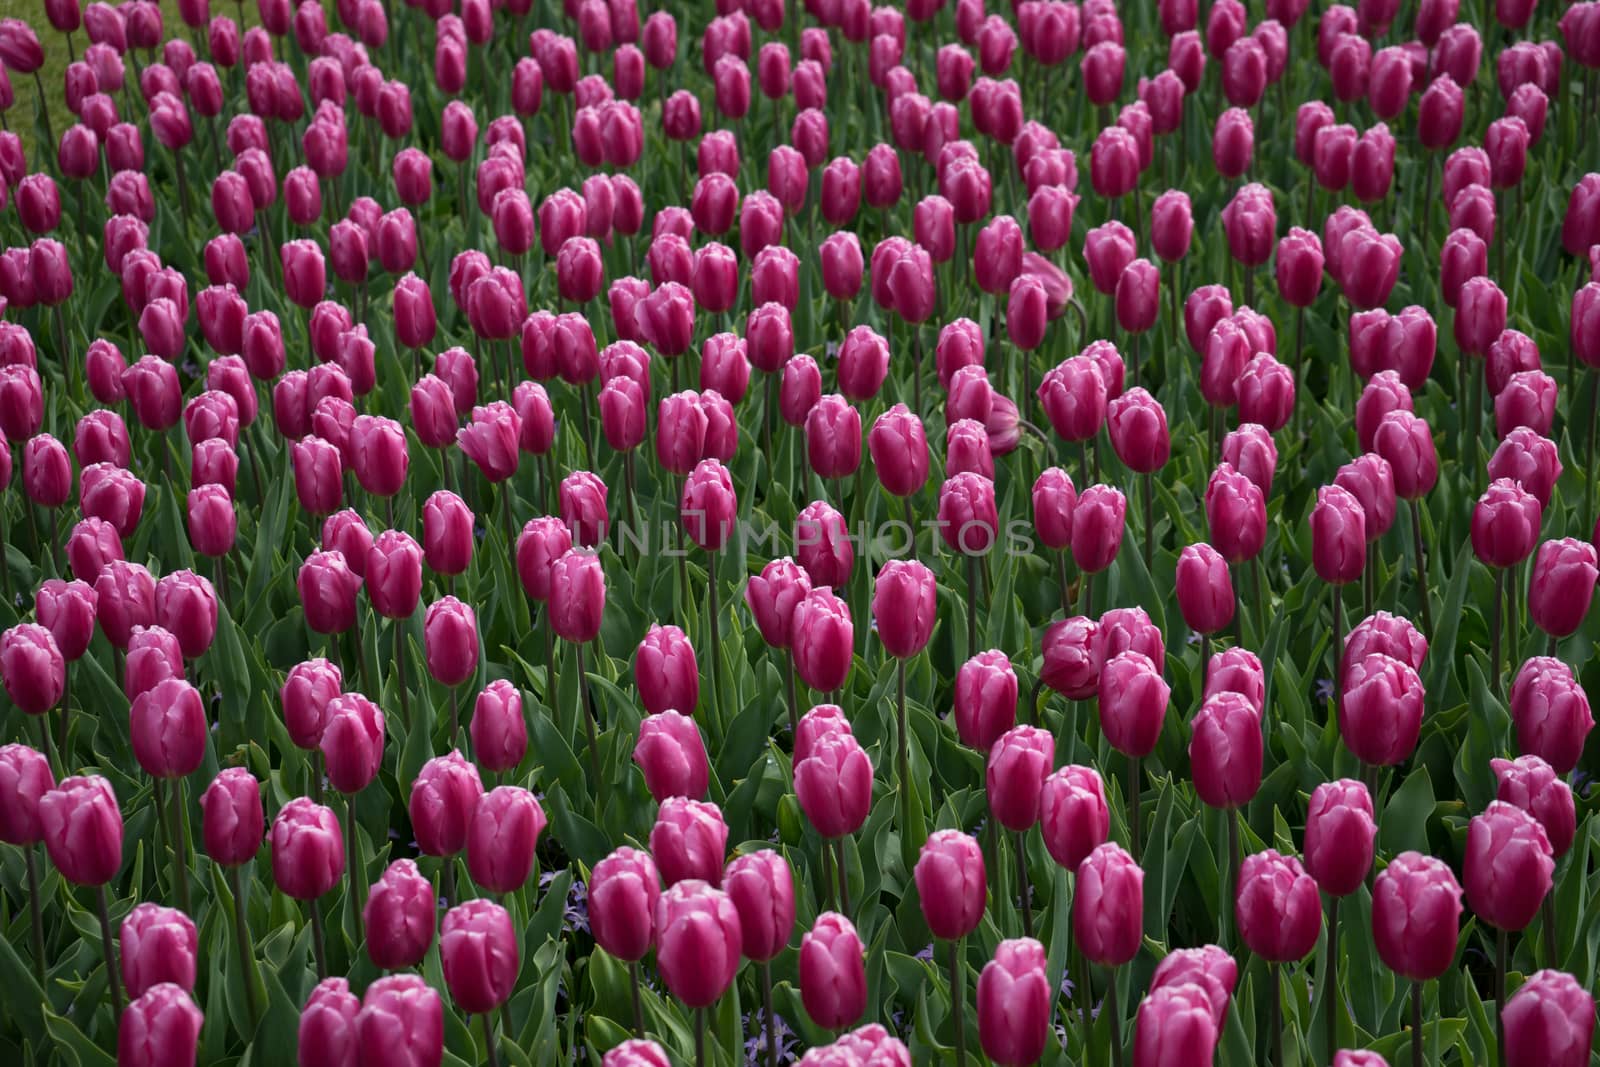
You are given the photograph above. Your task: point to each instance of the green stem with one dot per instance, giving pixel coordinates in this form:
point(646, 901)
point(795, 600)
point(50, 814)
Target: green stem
point(1277, 1016)
point(1501, 941)
point(1135, 788)
point(1024, 886)
point(318, 946)
point(109, 947)
point(1494, 629)
point(638, 999)
point(358, 878)
point(972, 606)
point(180, 847)
point(700, 1037)
point(1416, 1024)
point(958, 1000)
point(241, 936)
point(591, 730)
point(766, 1000)
point(37, 920)
point(1422, 570)
point(1333, 976)
point(844, 876)
point(1116, 1020)
point(490, 1056)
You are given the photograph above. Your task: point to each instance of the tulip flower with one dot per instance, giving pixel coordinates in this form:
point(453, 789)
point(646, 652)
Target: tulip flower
point(1550, 1020)
point(623, 890)
point(401, 1021)
point(1279, 916)
point(160, 1027)
point(1416, 912)
point(478, 951)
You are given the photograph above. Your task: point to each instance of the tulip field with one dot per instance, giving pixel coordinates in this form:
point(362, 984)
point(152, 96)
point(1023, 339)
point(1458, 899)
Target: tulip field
point(667, 534)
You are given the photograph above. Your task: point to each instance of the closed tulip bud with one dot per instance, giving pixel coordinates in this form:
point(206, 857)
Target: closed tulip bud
point(153, 657)
point(1277, 907)
point(1388, 634)
point(1549, 1020)
point(1073, 394)
point(1551, 712)
point(1480, 315)
point(577, 594)
point(709, 506)
point(450, 632)
point(1531, 784)
point(698, 934)
point(1017, 764)
point(1176, 1023)
point(1225, 750)
point(67, 610)
point(1505, 524)
point(1233, 143)
point(1138, 296)
point(689, 838)
point(800, 389)
point(672, 756)
point(772, 596)
point(1380, 712)
point(1054, 500)
point(153, 392)
point(759, 884)
point(501, 838)
point(232, 818)
point(1506, 142)
point(833, 978)
point(841, 265)
point(623, 890)
point(401, 1021)
point(307, 849)
point(1133, 703)
point(833, 783)
point(985, 699)
point(158, 945)
point(1338, 535)
point(903, 607)
point(1561, 586)
point(1371, 481)
point(1250, 223)
point(125, 596)
point(1340, 831)
point(833, 437)
point(213, 523)
point(1097, 527)
point(1108, 907)
point(1299, 267)
point(1071, 658)
point(1236, 514)
point(1102, 70)
point(398, 918)
point(46, 471)
point(328, 588)
point(1014, 1003)
point(160, 1027)
point(478, 950)
point(32, 668)
point(443, 799)
point(186, 606)
point(1580, 226)
point(1508, 866)
point(1527, 400)
point(1473, 208)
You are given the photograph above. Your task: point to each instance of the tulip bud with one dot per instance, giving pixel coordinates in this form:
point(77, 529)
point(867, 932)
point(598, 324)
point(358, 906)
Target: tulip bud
point(1108, 907)
point(1277, 907)
point(1339, 836)
point(401, 1021)
point(1225, 750)
point(698, 934)
point(1133, 703)
point(951, 885)
point(501, 838)
point(157, 945)
point(761, 886)
point(161, 1027)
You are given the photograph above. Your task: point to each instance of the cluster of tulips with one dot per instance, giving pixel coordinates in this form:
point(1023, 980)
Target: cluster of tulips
point(480, 367)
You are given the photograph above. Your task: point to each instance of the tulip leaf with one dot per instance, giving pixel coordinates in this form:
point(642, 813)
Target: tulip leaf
point(1404, 824)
